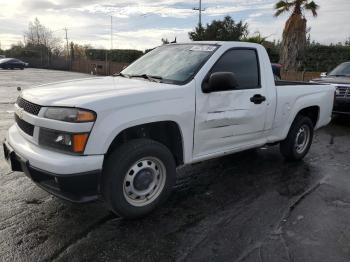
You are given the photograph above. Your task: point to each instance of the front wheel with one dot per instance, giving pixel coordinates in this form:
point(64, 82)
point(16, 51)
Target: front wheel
point(137, 177)
point(299, 139)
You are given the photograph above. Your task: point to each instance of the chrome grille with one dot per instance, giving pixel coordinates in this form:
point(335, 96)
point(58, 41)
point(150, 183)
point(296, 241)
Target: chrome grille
point(27, 106)
point(343, 91)
point(24, 126)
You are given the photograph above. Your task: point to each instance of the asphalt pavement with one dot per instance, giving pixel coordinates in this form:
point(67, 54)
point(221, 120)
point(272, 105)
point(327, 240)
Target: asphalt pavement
point(251, 206)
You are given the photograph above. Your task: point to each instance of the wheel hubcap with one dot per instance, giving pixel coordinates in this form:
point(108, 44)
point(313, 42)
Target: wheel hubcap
point(302, 139)
point(144, 181)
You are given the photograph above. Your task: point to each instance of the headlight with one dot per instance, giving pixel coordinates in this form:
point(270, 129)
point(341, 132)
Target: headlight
point(62, 141)
point(75, 115)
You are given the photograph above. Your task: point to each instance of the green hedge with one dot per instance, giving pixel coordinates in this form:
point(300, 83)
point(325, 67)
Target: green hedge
point(116, 55)
point(325, 58)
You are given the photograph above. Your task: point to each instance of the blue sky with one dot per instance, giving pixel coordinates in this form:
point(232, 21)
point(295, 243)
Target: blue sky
point(141, 24)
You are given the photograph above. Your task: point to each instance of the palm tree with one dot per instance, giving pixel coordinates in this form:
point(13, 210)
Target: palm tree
point(294, 34)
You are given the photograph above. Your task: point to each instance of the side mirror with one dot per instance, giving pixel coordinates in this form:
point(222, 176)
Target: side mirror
point(323, 74)
point(220, 81)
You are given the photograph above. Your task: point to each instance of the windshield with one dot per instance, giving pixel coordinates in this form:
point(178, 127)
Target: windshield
point(341, 70)
point(5, 60)
point(171, 63)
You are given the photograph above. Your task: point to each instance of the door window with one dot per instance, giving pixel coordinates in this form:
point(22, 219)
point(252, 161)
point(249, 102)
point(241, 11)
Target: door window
point(244, 64)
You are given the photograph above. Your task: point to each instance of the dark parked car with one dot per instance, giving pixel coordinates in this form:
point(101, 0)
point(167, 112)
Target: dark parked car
point(339, 77)
point(12, 63)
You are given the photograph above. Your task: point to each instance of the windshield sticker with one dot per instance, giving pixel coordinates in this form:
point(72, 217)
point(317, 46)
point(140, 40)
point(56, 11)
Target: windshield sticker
point(203, 48)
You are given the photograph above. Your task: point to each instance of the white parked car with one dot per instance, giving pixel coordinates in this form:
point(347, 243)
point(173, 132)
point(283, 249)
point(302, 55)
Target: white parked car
point(120, 138)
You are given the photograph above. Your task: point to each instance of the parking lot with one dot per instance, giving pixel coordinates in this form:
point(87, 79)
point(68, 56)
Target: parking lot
point(251, 206)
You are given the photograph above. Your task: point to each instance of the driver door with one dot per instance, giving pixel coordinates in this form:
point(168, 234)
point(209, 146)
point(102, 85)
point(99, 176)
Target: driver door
point(234, 118)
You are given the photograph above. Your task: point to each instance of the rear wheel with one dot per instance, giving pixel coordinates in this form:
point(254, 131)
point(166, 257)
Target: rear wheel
point(299, 139)
point(137, 177)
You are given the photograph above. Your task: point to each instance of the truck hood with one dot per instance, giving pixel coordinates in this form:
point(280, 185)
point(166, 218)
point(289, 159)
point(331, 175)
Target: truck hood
point(77, 93)
point(333, 80)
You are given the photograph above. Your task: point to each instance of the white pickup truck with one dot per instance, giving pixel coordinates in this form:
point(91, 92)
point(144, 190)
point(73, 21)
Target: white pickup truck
point(120, 138)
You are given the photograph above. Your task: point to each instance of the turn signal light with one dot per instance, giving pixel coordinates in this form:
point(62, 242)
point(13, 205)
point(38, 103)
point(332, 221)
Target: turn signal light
point(79, 142)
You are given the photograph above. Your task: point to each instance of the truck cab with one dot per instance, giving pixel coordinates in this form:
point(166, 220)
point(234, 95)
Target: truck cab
point(120, 138)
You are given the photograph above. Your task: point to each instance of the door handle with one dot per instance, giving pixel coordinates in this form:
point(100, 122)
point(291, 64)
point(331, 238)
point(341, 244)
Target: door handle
point(257, 99)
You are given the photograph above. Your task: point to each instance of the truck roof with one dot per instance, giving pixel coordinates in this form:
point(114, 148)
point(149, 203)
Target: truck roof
point(221, 43)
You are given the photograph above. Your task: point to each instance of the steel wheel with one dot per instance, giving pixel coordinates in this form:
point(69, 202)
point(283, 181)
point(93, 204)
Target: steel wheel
point(302, 139)
point(144, 181)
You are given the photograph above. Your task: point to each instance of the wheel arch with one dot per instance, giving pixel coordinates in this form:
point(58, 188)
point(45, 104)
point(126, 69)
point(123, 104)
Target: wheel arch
point(313, 112)
point(165, 132)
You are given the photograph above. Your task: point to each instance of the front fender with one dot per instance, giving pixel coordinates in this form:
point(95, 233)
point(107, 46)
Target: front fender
point(110, 123)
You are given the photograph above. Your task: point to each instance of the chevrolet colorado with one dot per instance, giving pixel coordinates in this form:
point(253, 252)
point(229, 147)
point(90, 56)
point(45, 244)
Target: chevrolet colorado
point(120, 138)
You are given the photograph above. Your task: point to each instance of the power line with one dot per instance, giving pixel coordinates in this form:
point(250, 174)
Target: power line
point(153, 12)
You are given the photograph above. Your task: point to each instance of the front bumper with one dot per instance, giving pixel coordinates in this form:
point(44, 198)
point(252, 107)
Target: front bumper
point(74, 178)
point(342, 106)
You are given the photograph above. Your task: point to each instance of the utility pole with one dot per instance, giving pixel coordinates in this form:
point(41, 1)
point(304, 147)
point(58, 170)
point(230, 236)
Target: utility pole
point(107, 65)
point(66, 30)
point(111, 32)
point(200, 10)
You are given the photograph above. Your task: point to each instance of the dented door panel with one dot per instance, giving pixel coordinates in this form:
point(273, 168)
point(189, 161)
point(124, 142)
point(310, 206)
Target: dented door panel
point(227, 119)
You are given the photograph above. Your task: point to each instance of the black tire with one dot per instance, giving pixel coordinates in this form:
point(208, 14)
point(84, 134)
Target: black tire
point(116, 170)
point(288, 147)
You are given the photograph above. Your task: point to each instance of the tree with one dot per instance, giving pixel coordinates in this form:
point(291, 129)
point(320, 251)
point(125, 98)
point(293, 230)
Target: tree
point(257, 38)
point(1, 51)
point(40, 39)
point(39, 35)
point(294, 34)
point(165, 41)
point(220, 30)
point(78, 51)
point(347, 42)
point(16, 50)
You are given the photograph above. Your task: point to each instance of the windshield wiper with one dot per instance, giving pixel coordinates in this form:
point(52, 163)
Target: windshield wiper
point(152, 78)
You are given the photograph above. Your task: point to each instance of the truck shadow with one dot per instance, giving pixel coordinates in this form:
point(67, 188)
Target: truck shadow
point(341, 120)
point(207, 196)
